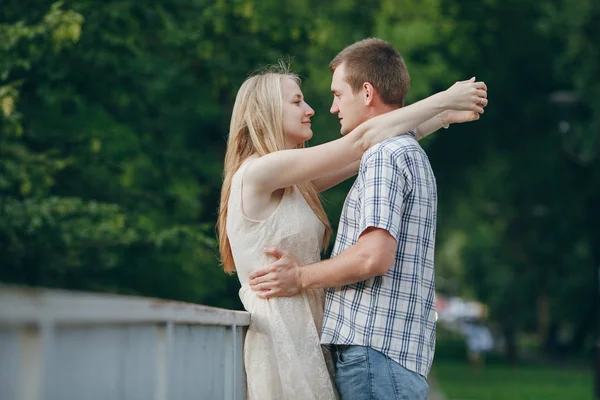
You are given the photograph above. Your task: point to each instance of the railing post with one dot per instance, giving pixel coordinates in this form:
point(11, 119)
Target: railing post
point(234, 364)
point(164, 340)
point(31, 361)
point(47, 331)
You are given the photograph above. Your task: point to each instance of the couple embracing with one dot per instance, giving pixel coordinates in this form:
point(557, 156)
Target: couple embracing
point(361, 324)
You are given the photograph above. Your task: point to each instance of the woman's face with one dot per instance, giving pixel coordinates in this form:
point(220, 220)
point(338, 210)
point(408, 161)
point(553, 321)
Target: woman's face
point(296, 114)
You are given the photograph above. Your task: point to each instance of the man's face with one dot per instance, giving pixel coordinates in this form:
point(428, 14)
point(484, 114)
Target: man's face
point(350, 108)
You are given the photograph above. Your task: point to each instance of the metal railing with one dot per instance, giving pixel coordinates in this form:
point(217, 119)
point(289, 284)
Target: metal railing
point(61, 345)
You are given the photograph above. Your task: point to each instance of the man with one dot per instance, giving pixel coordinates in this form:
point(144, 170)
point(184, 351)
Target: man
point(379, 314)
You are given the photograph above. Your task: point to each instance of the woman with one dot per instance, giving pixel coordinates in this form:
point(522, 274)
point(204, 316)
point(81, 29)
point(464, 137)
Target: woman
point(270, 198)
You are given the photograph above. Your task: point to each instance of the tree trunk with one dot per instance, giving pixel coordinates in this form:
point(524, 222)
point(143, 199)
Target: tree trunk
point(594, 230)
point(596, 265)
point(543, 321)
point(510, 339)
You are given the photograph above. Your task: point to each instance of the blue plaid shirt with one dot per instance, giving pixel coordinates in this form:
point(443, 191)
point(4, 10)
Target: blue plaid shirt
point(393, 313)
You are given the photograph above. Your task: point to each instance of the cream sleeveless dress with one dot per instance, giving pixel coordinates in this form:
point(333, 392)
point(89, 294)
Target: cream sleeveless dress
point(282, 351)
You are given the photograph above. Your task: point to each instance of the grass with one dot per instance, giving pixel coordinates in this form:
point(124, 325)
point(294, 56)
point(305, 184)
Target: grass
point(504, 382)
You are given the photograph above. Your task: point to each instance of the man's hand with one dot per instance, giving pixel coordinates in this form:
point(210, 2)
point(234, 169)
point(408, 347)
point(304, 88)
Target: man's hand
point(279, 279)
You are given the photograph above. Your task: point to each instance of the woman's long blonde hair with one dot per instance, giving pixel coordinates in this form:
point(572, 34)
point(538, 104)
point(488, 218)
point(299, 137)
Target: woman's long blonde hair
point(257, 128)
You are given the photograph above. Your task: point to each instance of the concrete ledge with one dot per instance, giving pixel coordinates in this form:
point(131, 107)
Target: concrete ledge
point(20, 305)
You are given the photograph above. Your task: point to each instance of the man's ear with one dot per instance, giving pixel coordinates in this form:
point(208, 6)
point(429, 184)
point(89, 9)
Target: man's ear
point(368, 93)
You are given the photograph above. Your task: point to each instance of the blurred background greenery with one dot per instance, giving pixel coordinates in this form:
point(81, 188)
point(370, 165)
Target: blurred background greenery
point(114, 116)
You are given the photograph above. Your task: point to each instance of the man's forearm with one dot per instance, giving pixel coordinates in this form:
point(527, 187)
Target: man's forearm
point(349, 267)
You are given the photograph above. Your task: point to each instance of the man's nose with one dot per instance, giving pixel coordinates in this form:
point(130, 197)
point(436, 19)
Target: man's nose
point(334, 108)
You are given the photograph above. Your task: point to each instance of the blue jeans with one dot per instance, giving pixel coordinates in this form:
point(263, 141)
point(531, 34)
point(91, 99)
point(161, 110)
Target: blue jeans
point(363, 373)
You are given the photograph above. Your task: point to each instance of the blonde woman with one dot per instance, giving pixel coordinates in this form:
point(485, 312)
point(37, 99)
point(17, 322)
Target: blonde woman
point(270, 198)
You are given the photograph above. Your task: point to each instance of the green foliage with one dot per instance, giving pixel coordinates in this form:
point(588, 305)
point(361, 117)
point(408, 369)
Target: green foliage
point(113, 118)
point(516, 225)
point(82, 201)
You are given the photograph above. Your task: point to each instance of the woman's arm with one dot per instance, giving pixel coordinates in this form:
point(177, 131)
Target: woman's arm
point(401, 121)
point(333, 178)
point(289, 167)
point(443, 120)
point(432, 125)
